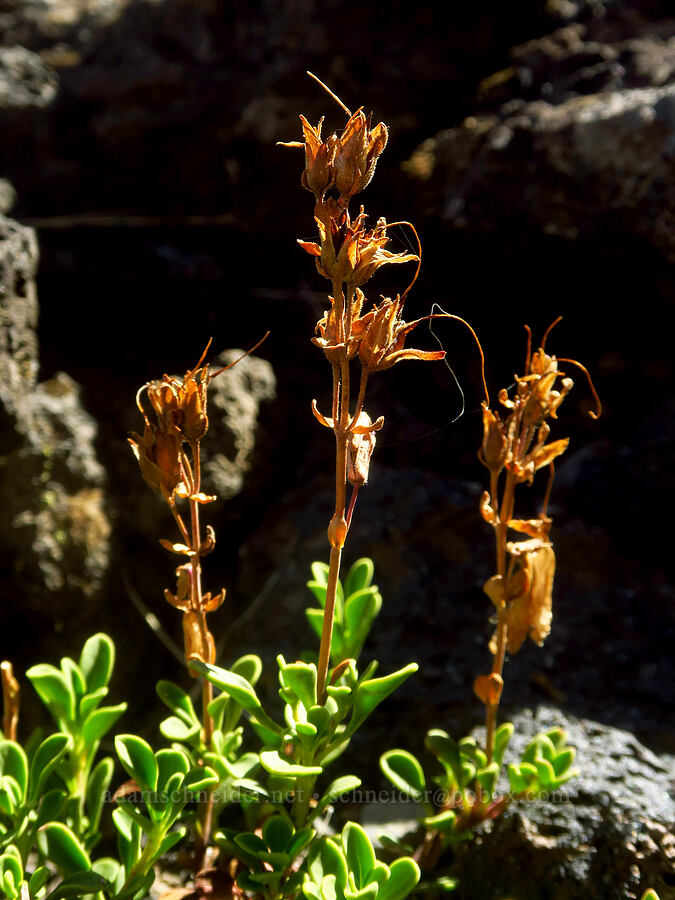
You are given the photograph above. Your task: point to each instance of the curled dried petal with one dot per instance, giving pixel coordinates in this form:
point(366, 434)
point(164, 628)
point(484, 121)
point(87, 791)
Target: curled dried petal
point(488, 688)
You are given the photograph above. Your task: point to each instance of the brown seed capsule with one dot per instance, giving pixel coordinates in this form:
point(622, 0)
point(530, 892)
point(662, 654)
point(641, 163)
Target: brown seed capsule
point(158, 455)
point(495, 446)
point(337, 532)
point(358, 150)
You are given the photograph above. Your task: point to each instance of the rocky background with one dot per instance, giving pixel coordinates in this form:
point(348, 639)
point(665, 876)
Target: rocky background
point(533, 146)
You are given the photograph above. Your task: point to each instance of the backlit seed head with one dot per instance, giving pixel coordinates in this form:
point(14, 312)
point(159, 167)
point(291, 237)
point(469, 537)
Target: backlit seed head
point(158, 456)
point(358, 150)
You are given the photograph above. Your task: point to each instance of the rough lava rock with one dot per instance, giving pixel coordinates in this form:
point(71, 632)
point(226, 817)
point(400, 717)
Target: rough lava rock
point(235, 400)
point(608, 835)
point(54, 529)
point(603, 159)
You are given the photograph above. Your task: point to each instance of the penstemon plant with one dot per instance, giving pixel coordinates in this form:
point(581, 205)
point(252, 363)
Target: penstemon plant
point(514, 448)
point(246, 790)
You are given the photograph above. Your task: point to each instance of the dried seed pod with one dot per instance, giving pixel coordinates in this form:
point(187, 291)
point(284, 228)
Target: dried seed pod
point(158, 456)
point(337, 532)
point(360, 448)
point(495, 446)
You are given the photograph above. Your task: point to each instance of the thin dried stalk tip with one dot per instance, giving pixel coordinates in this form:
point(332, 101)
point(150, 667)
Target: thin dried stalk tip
point(11, 695)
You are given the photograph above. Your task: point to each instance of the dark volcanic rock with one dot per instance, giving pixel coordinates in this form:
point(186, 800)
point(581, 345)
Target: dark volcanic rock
point(598, 157)
point(54, 527)
point(235, 401)
point(608, 835)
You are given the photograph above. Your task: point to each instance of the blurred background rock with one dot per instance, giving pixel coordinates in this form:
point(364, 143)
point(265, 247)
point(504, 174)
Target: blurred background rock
point(532, 145)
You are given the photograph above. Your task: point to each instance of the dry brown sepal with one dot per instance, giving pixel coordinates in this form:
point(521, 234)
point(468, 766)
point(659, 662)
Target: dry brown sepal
point(348, 251)
point(488, 688)
point(381, 335)
point(346, 162)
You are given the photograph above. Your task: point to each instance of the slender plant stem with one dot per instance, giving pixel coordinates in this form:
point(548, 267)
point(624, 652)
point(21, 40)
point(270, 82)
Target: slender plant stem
point(504, 515)
point(336, 536)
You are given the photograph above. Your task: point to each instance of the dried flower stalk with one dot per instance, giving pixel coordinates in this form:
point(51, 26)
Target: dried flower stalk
point(516, 444)
point(348, 254)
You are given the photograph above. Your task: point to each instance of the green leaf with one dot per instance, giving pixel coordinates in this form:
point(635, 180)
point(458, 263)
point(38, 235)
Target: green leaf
point(89, 702)
point(177, 700)
point(445, 883)
point(176, 729)
point(38, 880)
point(238, 688)
point(443, 746)
point(54, 689)
point(516, 780)
point(335, 789)
point(128, 837)
point(137, 757)
point(97, 784)
point(51, 807)
point(558, 737)
point(97, 661)
point(79, 884)
point(369, 694)
point(109, 869)
point(272, 762)
point(359, 576)
point(249, 667)
point(100, 722)
point(73, 673)
point(650, 894)
point(404, 772)
point(47, 757)
point(326, 858)
point(168, 841)
point(301, 679)
point(10, 861)
point(60, 846)
point(200, 779)
point(443, 822)
point(320, 573)
point(502, 737)
point(540, 746)
point(545, 772)
point(277, 833)
point(170, 762)
point(13, 762)
point(250, 843)
point(563, 760)
point(315, 619)
point(301, 839)
point(369, 892)
point(404, 875)
point(487, 778)
point(361, 608)
point(359, 853)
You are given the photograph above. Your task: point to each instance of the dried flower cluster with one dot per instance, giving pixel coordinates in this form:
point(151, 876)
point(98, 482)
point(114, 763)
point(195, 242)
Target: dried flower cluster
point(168, 454)
point(516, 445)
point(348, 253)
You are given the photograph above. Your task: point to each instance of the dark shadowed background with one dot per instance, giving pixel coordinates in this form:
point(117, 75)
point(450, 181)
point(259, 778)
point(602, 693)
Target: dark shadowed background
point(532, 144)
